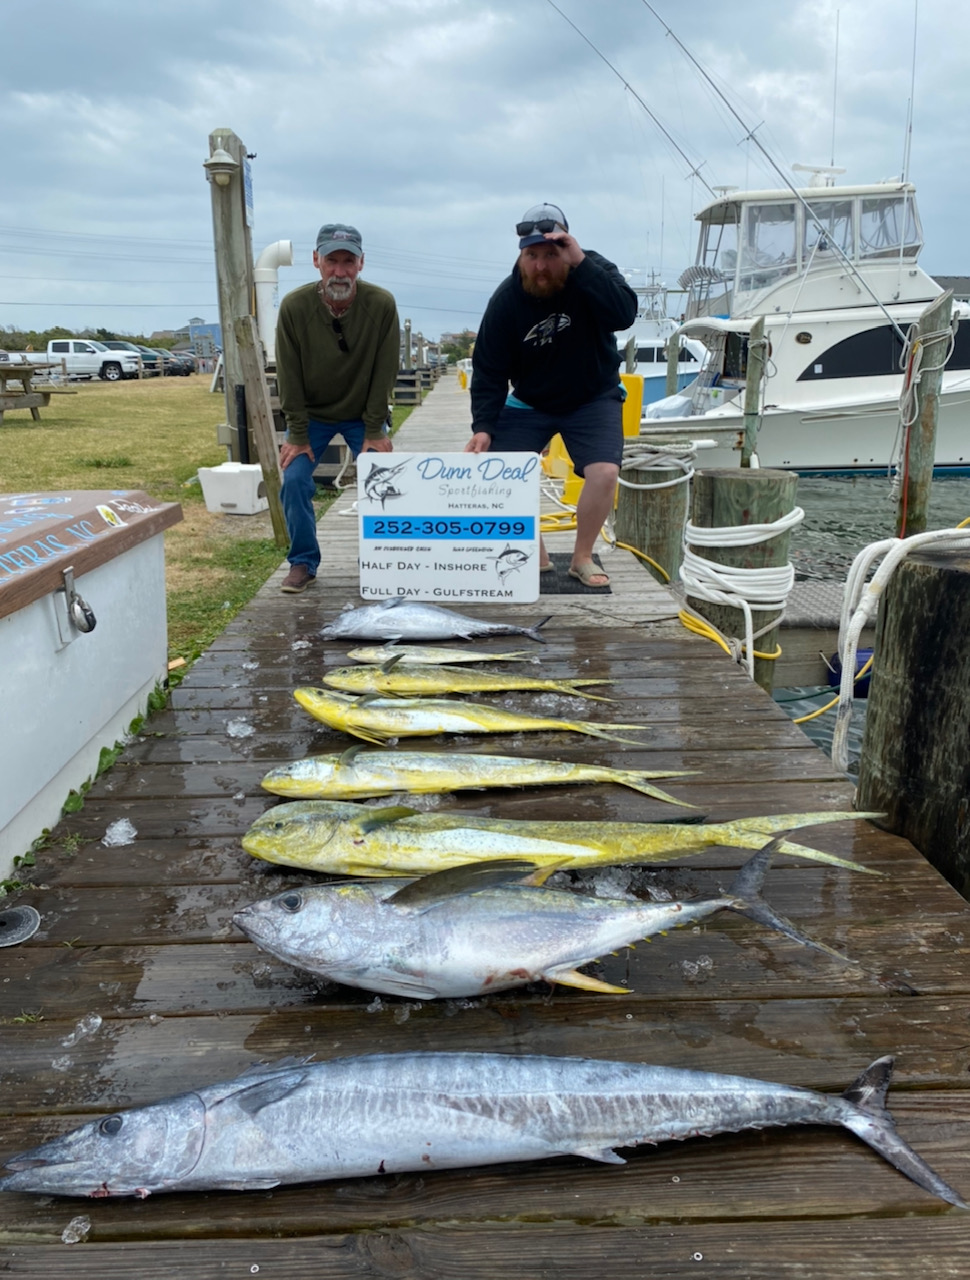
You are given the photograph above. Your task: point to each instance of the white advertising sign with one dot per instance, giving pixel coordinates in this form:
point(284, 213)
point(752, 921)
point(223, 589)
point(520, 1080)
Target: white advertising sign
point(459, 527)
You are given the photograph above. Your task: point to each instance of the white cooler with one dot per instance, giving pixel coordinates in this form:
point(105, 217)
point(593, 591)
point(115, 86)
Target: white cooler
point(236, 488)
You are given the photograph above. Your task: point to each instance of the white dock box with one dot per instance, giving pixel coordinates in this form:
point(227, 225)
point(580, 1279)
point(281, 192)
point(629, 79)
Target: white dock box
point(235, 488)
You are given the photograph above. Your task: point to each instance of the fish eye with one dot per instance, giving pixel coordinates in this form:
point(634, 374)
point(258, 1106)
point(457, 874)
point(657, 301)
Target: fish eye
point(291, 901)
point(110, 1126)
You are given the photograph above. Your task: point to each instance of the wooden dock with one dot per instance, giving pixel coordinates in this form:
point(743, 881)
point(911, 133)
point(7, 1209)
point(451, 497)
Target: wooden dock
point(137, 985)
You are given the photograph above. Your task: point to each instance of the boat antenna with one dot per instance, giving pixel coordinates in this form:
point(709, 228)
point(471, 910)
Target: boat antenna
point(835, 85)
point(908, 136)
point(752, 136)
point(694, 171)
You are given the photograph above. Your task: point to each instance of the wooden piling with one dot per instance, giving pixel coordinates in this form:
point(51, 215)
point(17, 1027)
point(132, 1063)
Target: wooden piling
point(932, 337)
point(915, 763)
point(673, 360)
point(723, 498)
point(261, 419)
point(653, 520)
point(752, 389)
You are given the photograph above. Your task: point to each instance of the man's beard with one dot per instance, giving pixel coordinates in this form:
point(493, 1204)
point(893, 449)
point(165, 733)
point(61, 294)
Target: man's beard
point(339, 290)
point(546, 285)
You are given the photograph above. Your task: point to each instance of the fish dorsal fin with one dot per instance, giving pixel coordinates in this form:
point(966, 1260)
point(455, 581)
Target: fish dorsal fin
point(377, 818)
point(253, 1098)
point(348, 757)
point(605, 1155)
point(470, 877)
point(391, 663)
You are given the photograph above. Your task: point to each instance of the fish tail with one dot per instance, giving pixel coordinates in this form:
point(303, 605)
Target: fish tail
point(870, 1120)
point(746, 892)
point(567, 686)
point(749, 833)
point(638, 782)
point(533, 632)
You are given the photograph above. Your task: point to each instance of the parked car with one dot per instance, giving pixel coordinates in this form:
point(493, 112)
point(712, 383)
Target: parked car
point(85, 358)
point(187, 361)
point(172, 366)
point(149, 360)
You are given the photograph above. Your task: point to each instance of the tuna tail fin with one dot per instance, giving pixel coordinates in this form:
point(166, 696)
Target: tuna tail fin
point(872, 1122)
point(747, 901)
point(533, 632)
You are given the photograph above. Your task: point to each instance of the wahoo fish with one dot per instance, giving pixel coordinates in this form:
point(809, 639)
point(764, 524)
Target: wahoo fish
point(431, 654)
point(394, 677)
point(379, 719)
point(468, 931)
point(412, 620)
point(392, 1113)
point(342, 838)
point(357, 774)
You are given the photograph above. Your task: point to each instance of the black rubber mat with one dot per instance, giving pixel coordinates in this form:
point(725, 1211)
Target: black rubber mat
point(559, 583)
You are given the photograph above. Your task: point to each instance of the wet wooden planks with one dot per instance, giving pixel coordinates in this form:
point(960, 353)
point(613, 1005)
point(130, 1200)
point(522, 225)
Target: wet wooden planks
point(141, 937)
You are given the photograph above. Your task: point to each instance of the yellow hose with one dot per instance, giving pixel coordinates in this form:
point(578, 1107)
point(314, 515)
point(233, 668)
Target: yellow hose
point(829, 705)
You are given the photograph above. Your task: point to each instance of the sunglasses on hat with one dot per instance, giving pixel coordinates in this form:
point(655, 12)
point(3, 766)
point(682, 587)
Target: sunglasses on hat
point(544, 225)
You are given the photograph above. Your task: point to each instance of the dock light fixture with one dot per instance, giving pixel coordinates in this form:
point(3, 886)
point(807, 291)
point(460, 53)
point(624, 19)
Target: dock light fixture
point(220, 167)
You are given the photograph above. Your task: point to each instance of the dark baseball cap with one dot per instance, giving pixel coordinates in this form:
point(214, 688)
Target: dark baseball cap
point(335, 235)
point(537, 221)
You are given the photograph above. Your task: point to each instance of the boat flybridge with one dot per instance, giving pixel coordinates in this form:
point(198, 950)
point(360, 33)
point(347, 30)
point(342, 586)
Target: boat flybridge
point(833, 271)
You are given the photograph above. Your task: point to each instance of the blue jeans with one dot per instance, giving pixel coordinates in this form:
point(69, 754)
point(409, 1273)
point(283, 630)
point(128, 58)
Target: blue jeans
point(299, 488)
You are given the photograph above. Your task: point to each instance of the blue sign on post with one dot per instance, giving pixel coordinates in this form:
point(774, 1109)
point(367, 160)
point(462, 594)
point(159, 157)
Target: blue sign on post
point(248, 191)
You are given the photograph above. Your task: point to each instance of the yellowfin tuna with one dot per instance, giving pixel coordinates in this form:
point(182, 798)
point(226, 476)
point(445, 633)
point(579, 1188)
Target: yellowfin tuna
point(341, 838)
point(395, 677)
point(357, 774)
point(378, 719)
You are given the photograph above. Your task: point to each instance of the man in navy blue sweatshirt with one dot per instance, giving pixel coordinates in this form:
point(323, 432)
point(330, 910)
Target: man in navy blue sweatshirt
point(548, 330)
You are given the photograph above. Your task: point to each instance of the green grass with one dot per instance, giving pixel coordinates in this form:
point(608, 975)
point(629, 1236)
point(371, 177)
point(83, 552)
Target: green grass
point(153, 436)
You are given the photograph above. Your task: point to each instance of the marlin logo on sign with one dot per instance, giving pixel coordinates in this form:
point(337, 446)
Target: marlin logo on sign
point(509, 561)
point(379, 485)
point(541, 334)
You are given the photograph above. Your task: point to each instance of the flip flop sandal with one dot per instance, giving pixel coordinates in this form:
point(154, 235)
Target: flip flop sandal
point(587, 571)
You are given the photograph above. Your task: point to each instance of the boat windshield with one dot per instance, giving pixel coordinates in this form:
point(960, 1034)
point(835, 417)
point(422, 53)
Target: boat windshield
point(828, 227)
point(769, 245)
point(888, 225)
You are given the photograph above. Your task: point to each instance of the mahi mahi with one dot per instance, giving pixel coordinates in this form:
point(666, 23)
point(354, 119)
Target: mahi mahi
point(412, 620)
point(478, 928)
point(342, 838)
point(431, 654)
point(357, 774)
point(397, 677)
point(380, 719)
point(390, 1113)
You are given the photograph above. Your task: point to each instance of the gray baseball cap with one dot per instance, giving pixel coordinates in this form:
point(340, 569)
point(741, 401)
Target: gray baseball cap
point(537, 221)
point(336, 235)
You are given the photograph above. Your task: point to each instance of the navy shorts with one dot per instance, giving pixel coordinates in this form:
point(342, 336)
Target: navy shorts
point(591, 433)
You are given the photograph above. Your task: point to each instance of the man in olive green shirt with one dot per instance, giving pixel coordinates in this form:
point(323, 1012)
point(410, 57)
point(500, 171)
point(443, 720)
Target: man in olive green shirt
point(337, 357)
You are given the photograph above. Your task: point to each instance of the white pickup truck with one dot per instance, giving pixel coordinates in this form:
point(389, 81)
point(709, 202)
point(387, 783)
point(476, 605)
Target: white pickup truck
point(85, 358)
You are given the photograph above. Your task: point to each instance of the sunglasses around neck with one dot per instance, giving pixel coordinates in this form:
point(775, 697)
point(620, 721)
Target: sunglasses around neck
point(338, 329)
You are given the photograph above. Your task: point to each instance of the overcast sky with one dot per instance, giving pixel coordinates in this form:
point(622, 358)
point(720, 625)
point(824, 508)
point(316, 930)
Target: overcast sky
point(432, 125)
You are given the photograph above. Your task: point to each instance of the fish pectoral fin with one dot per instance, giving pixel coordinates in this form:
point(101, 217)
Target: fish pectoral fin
point(470, 877)
point(605, 1155)
point(255, 1097)
point(378, 818)
point(391, 663)
point(251, 1184)
point(573, 978)
point(347, 757)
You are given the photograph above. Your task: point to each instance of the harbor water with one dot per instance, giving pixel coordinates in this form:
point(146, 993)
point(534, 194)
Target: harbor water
point(843, 515)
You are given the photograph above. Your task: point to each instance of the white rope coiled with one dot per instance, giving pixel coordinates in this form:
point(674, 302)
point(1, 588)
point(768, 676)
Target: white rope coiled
point(744, 589)
point(860, 604)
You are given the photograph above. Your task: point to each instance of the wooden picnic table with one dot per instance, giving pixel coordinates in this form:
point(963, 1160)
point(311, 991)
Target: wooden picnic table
point(29, 396)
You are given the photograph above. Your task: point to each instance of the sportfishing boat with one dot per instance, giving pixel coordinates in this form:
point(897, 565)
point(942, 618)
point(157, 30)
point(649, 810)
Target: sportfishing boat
point(644, 345)
point(833, 270)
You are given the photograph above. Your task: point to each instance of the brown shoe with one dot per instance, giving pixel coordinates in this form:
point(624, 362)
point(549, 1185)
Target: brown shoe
point(297, 580)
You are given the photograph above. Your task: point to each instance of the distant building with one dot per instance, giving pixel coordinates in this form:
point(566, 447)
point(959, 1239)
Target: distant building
point(959, 284)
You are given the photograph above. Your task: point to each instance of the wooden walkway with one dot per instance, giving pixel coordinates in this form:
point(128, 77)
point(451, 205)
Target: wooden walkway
point(137, 986)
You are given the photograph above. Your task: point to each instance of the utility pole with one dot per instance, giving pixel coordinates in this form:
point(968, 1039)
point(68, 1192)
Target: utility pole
point(227, 170)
